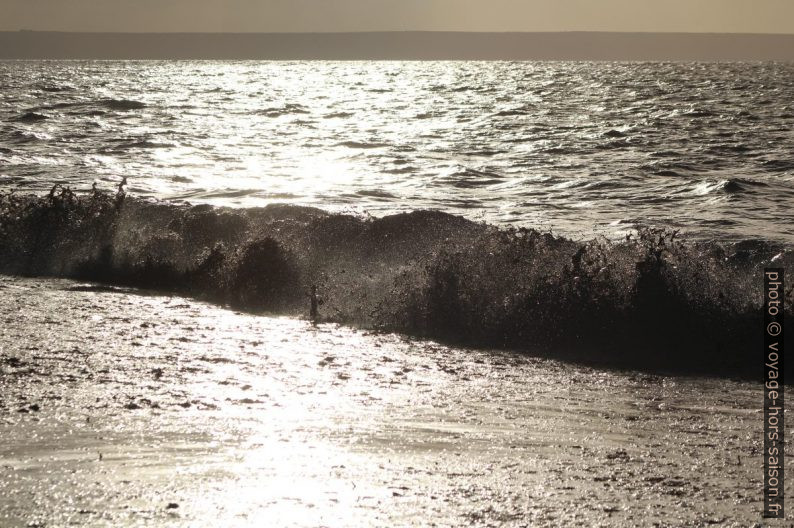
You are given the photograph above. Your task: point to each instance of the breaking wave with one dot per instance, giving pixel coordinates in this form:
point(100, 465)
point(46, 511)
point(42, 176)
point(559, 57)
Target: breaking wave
point(651, 301)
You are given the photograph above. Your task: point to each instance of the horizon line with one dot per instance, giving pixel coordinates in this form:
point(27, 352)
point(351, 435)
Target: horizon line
point(376, 31)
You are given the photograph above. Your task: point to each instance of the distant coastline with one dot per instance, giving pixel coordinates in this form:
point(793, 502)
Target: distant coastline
point(409, 45)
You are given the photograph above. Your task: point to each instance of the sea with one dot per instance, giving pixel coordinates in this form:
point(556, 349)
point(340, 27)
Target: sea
point(538, 291)
point(576, 148)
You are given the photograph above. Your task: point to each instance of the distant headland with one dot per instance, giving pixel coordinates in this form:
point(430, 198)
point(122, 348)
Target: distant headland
point(408, 45)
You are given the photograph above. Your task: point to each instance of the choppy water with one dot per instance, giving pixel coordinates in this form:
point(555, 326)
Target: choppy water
point(169, 411)
point(576, 147)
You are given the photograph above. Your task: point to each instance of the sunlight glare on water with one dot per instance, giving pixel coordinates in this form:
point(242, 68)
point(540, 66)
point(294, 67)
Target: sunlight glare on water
point(569, 146)
point(164, 411)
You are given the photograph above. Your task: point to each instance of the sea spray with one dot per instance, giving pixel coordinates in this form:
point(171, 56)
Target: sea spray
point(653, 300)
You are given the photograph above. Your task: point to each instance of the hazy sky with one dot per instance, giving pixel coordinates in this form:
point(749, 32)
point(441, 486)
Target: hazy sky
point(745, 16)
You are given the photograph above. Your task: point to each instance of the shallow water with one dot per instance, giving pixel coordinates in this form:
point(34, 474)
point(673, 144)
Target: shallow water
point(126, 409)
point(574, 147)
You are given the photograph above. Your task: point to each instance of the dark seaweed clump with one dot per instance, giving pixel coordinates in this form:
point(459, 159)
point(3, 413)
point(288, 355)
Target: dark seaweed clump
point(651, 301)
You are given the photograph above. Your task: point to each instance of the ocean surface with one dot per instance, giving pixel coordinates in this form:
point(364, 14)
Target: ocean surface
point(532, 206)
point(159, 364)
point(580, 149)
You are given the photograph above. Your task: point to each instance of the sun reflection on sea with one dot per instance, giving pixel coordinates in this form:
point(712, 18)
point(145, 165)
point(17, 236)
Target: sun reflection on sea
point(292, 404)
point(164, 411)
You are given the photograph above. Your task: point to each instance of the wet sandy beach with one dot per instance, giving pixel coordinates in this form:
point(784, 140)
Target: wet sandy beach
point(127, 409)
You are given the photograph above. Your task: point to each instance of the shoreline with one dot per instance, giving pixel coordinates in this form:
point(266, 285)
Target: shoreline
point(172, 411)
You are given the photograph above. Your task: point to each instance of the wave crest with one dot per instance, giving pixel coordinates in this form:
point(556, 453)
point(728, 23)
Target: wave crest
point(651, 300)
